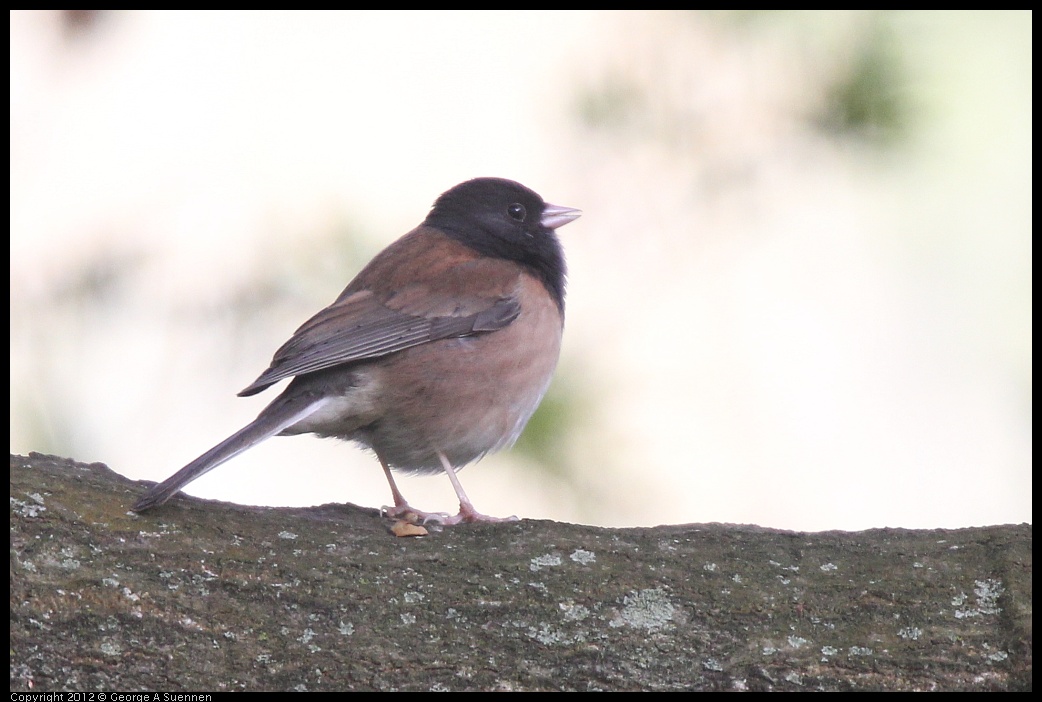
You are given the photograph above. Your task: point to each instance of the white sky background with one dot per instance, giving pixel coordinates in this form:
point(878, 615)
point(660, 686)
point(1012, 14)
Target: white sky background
point(765, 324)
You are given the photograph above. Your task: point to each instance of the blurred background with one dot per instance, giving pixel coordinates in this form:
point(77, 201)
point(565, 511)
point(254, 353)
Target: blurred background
point(799, 295)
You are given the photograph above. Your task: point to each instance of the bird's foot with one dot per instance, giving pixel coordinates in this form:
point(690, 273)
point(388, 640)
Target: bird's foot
point(407, 513)
point(469, 515)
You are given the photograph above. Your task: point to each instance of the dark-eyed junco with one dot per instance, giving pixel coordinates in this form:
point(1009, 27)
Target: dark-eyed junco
point(437, 353)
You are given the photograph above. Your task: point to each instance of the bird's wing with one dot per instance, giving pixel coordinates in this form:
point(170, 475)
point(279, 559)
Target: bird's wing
point(365, 324)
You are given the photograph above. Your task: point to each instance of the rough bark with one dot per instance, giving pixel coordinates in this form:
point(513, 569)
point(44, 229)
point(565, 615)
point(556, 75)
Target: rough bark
point(210, 596)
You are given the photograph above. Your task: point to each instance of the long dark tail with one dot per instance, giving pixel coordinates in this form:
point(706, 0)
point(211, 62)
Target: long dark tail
point(273, 419)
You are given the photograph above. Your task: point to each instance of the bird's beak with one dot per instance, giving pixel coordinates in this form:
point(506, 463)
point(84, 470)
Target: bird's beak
point(555, 216)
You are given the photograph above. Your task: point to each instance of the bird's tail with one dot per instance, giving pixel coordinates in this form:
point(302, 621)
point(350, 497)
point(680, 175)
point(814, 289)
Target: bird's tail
point(272, 420)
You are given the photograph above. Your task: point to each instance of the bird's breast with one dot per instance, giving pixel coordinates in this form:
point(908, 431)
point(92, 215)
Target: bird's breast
point(467, 396)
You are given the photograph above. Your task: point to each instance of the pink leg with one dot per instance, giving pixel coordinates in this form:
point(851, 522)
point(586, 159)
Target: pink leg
point(467, 513)
point(402, 509)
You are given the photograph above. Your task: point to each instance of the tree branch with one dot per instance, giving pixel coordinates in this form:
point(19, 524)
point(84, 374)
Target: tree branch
point(210, 596)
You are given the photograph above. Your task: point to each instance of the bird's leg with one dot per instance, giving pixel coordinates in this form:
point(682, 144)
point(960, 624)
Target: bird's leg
point(467, 513)
point(402, 509)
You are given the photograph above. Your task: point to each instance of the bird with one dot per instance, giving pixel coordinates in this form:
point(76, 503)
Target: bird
point(437, 353)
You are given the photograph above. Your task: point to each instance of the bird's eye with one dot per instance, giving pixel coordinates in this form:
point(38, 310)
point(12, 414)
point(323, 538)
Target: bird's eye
point(517, 211)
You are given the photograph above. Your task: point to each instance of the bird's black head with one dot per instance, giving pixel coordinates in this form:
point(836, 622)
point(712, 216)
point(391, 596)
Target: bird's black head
point(501, 218)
